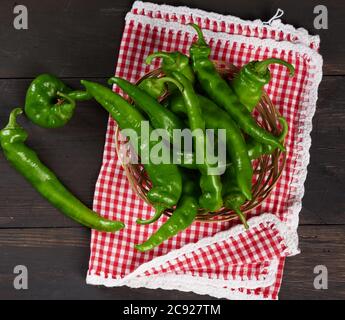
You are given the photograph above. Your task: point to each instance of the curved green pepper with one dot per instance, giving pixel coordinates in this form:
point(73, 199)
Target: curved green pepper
point(221, 93)
point(249, 82)
point(49, 103)
point(27, 163)
point(160, 118)
point(256, 149)
point(232, 195)
point(211, 197)
point(182, 217)
point(211, 186)
point(166, 178)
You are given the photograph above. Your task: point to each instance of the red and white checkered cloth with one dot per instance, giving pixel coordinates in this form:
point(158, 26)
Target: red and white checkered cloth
point(221, 260)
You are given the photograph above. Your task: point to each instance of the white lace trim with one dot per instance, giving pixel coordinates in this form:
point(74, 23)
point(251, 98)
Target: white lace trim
point(290, 240)
point(187, 279)
point(200, 285)
point(287, 231)
point(299, 49)
point(183, 283)
point(276, 25)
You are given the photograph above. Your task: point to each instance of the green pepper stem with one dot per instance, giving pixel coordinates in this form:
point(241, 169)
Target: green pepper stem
point(164, 55)
point(80, 95)
point(201, 38)
point(242, 217)
point(159, 211)
point(112, 81)
point(261, 66)
point(66, 97)
point(171, 80)
point(12, 122)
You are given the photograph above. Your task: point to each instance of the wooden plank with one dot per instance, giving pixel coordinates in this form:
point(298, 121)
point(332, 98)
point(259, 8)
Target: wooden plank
point(81, 38)
point(57, 263)
point(320, 245)
point(68, 38)
point(323, 202)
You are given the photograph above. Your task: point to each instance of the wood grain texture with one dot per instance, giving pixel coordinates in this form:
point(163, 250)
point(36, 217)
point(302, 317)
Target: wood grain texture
point(76, 39)
point(67, 37)
point(324, 202)
point(320, 245)
point(57, 263)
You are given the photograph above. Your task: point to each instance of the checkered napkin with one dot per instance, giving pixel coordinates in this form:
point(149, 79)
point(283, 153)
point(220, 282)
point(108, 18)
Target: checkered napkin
point(222, 260)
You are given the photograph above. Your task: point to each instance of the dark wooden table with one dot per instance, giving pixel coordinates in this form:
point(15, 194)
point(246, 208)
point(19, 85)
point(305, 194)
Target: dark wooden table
point(79, 39)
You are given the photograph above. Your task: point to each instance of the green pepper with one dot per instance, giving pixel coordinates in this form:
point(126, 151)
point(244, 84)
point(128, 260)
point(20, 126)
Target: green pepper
point(166, 178)
point(221, 93)
point(174, 61)
point(182, 217)
point(210, 184)
point(160, 118)
point(27, 163)
point(216, 118)
point(232, 195)
point(249, 82)
point(49, 103)
point(256, 149)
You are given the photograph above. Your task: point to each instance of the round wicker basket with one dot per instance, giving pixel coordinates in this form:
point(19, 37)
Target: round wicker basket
point(267, 169)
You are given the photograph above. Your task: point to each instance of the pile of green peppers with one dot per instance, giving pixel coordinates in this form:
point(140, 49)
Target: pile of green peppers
point(198, 98)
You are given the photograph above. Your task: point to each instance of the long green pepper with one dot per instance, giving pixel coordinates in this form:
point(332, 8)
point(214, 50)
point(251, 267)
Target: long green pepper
point(182, 217)
point(210, 184)
point(166, 178)
point(232, 195)
point(27, 163)
point(161, 118)
point(221, 93)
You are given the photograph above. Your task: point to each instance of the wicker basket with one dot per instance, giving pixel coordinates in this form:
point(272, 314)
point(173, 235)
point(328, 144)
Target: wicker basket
point(267, 169)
